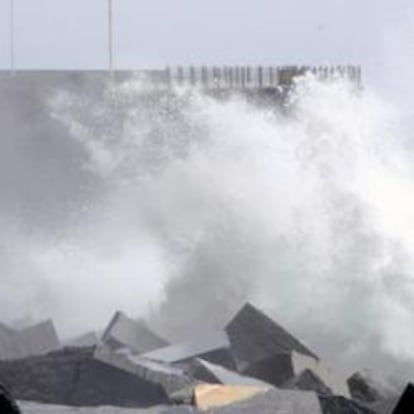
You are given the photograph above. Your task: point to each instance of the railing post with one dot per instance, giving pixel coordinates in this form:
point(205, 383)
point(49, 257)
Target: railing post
point(243, 77)
point(180, 75)
point(168, 77)
point(204, 77)
point(237, 80)
point(350, 73)
point(359, 75)
point(110, 38)
point(192, 76)
point(249, 75)
point(231, 77)
point(216, 79)
point(260, 77)
point(271, 77)
point(220, 76)
point(226, 77)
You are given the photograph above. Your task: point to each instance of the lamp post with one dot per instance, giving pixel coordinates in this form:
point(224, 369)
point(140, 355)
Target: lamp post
point(110, 38)
point(11, 35)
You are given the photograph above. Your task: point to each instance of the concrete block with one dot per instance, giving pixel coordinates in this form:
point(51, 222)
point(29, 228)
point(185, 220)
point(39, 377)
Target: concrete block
point(265, 350)
point(342, 405)
point(307, 380)
point(216, 374)
point(255, 337)
point(335, 379)
point(72, 376)
point(274, 370)
point(365, 388)
point(35, 408)
point(170, 378)
point(10, 347)
point(273, 402)
point(208, 396)
point(213, 347)
point(38, 339)
point(33, 340)
point(123, 331)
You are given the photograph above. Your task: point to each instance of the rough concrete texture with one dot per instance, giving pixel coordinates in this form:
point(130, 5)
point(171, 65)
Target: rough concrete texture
point(207, 396)
point(255, 337)
point(125, 371)
point(170, 378)
point(123, 331)
point(34, 408)
point(274, 402)
point(74, 377)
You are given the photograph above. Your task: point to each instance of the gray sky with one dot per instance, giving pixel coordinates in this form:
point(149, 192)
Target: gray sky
point(72, 33)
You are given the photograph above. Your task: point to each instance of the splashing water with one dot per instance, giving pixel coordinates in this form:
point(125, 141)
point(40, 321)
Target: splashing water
point(197, 205)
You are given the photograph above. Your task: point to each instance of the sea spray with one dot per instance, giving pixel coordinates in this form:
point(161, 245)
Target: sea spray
point(200, 204)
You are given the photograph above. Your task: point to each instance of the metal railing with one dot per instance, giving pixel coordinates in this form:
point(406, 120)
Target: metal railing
point(248, 77)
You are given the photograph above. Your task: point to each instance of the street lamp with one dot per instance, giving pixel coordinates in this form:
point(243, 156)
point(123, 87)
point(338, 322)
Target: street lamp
point(110, 37)
point(11, 36)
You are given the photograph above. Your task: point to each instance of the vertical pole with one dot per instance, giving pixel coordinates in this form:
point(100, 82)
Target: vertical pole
point(237, 76)
point(225, 77)
point(243, 77)
point(180, 75)
point(231, 76)
point(216, 77)
point(168, 77)
point(204, 77)
point(12, 55)
point(193, 78)
point(260, 77)
point(110, 39)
